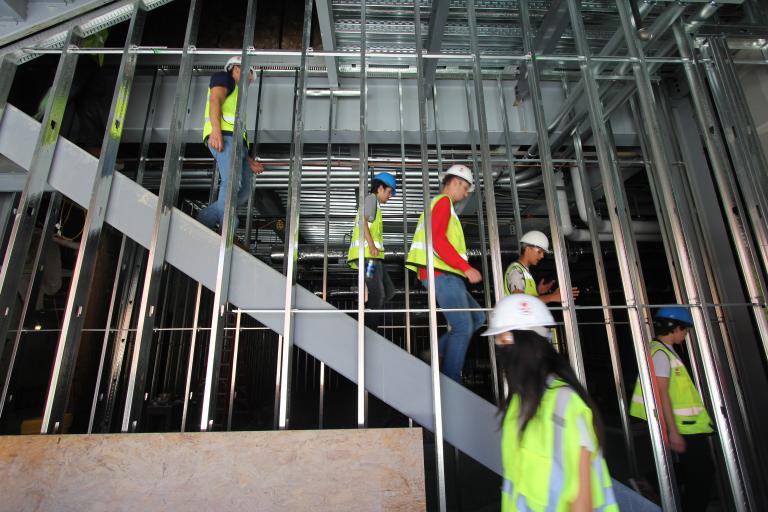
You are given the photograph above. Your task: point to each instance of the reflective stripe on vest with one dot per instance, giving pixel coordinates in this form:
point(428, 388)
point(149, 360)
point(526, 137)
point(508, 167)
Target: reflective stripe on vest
point(417, 254)
point(528, 282)
point(228, 114)
point(562, 438)
point(376, 227)
point(691, 417)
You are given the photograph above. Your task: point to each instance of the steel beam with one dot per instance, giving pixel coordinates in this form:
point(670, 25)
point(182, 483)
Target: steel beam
point(436, 388)
point(36, 184)
point(224, 264)
point(548, 35)
point(550, 191)
point(292, 228)
point(169, 190)
point(628, 260)
point(362, 192)
point(77, 301)
point(328, 37)
point(437, 19)
point(692, 282)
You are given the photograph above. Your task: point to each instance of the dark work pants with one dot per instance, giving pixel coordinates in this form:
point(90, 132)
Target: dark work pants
point(695, 473)
point(380, 291)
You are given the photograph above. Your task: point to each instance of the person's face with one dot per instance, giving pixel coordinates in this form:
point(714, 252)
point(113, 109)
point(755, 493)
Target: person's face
point(504, 338)
point(384, 194)
point(534, 254)
point(236, 74)
point(457, 189)
point(679, 334)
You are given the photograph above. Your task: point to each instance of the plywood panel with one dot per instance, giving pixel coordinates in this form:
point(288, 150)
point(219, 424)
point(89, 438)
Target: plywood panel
point(329, 470)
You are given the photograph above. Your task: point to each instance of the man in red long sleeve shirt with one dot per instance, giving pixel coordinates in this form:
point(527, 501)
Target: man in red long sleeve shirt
point(451, 268)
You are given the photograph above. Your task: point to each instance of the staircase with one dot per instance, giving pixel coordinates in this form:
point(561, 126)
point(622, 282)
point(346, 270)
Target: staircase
point(470, 423)
point(392, 375)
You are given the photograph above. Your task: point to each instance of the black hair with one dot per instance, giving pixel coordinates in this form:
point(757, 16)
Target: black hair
point(375, 184)
point(664, 326)
point(449, 177)
point(527, 364)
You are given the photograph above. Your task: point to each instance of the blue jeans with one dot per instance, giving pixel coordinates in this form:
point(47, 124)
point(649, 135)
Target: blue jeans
point(213, 214)
point(451, 293)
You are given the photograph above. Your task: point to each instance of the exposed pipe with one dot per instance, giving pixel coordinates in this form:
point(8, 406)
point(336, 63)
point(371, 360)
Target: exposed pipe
point(604, 226)
point(698, 19)
point(583, 235)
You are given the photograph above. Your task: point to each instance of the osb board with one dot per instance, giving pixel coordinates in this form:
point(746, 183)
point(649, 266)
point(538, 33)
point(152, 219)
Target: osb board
point(312, 470)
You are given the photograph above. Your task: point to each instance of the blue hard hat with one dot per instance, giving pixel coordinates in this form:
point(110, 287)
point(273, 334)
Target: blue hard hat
point(676, 313)
point(388, 180)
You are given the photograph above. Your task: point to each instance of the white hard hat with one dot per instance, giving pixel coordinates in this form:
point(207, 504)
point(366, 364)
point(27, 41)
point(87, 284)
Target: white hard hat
point(235, 61)
point(463, 172)
point(537, 239)
point(520, 312)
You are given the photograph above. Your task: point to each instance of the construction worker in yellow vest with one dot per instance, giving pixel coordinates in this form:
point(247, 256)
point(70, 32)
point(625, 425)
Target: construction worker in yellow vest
point(552, 435)
point(220, 111)
point(688, 423)
point(377, 281)
point(534, 245)
point(451, 268)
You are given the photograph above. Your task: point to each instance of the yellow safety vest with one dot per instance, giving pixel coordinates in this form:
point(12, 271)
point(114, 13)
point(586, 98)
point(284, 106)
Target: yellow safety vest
point(377, 233)
point(541, 465)
point(417, 255)
point(690, 415)
point(228, 113)
point(530, 283)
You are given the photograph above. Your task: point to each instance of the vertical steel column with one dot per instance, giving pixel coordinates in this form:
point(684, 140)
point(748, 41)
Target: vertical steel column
point(233, 377)
point(550, 191)
point(485, 154)
point(30, 294)
point(476, 175)
point(605, 299)
point(191, 358)
point(727, 189)
point(404, 187)
point(327, 228)
point(722, 409)
point(37, 179)
point(362, 398)
point(481, 227)
point(131, 252)
point(7, 74)
point(747, 253)
point(292, 225)
point(223, 267)
point(511, 160)
point(740, 133)
point(628, 262)
point(170, 182)
point(254, 152)
point(119, 277)
point(74, 314)
point(437, 405)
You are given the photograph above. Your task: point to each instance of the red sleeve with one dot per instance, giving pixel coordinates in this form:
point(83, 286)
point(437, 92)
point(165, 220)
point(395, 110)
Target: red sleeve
point(441, 215)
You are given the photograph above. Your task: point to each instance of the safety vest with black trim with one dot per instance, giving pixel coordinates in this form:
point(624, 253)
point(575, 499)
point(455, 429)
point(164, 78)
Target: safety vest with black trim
point(228, 113)
point(691, 417)
point(541, 465)
point(376, 227)
point(417, 255)
point(530, 283)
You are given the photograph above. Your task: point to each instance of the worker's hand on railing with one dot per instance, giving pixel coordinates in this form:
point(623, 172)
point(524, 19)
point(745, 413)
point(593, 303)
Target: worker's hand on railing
point(256, 167)
point(473, 275)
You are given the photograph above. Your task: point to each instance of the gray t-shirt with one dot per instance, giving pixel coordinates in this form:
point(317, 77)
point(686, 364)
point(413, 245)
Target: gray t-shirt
point(661, 364)
point(370, 205)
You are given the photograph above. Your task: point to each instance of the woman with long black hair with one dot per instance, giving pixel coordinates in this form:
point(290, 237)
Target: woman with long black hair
point(551, 431)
